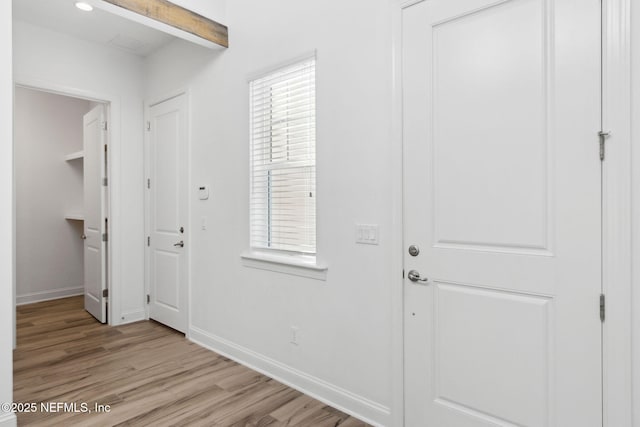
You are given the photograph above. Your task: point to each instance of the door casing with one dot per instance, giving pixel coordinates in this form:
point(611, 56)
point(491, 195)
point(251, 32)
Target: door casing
point(112, 113)
point(616, 206)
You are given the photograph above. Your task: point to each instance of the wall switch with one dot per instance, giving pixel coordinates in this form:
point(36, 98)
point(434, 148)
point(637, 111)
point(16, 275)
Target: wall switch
point(367, 234)
point(295, 332)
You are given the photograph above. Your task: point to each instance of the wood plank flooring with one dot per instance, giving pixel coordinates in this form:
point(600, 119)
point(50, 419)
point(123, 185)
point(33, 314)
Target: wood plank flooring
point(148, 374)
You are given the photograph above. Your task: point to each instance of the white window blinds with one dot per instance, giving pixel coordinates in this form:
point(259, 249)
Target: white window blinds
point(283, 159)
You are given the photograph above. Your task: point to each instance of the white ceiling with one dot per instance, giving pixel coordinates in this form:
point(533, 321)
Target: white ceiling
point(96, 26)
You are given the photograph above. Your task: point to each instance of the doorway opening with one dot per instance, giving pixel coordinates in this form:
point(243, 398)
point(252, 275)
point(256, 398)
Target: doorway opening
point(61, 200)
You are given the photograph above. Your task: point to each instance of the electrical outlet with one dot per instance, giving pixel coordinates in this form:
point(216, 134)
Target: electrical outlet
point(295, 335)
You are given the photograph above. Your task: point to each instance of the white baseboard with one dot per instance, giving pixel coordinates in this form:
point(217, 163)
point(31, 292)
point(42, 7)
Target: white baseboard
point(339, 398)
point(48, 295)
point(129, 317)
point(8, 420)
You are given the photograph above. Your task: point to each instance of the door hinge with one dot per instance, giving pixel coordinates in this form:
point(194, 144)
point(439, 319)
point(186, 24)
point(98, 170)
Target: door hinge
point(105, 126)
point(403, 273)
point(105, 293)
point(105, 148)
point(603, 136)
point(148, 182)
point(148, 298)
point(105, 181)
point(602, 307)
point(148, 240)
point(148, 126)
point(105, 237)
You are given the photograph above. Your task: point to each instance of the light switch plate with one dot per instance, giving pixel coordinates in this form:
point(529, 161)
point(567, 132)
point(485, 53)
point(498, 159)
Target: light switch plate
point(367, 234)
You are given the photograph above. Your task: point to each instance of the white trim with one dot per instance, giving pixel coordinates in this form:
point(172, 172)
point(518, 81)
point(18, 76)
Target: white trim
point(48, 295)
point(296, 265)
point(113, 113)
point(284, 64)
point(155, 100)
point(397, 243)
point(8, 420)
point(190, 200)
point(616, 113)
point(360, 407)
point(132, 316)
point(57, 89)
point(635, 160)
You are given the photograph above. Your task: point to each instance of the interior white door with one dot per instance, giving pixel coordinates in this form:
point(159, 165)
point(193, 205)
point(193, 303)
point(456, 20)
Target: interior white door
point(501, 111)
point(94, 167)
point(168, 248)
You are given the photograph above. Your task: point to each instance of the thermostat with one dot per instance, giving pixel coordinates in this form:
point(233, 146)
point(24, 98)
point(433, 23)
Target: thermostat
point(203, 192)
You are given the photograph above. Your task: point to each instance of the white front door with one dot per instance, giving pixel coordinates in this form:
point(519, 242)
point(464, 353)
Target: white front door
point(94, 170)
point(501, 111)
point(168, 203)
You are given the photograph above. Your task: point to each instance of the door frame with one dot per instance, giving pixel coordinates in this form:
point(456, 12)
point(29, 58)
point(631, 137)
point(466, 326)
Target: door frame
point(112, 114)
point(147, 209)
point(616, 211)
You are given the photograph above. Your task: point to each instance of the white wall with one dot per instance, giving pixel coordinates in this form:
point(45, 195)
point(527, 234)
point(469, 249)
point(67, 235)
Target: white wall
point(344, 320)
point(49, 251)
point(344, 355)
point(6, 214)
point(48, 59)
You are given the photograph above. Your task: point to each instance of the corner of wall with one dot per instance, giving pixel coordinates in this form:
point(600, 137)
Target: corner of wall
point(7, 291)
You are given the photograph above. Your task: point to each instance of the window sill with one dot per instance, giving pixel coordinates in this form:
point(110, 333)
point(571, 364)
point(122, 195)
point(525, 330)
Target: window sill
point(295, 265)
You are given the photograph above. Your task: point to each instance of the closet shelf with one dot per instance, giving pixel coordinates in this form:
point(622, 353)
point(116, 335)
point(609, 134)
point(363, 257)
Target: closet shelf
point(74, 156)
point(74, 217)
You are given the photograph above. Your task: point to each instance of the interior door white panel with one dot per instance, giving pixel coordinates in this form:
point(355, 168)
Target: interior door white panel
point(495, 166)
point(501, 111)
point(94, 213)
point(167, 274)
point(168, 213)
point(472, 338)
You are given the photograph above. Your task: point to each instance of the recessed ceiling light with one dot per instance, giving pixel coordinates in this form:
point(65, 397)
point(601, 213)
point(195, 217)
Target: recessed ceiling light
point(84, 6)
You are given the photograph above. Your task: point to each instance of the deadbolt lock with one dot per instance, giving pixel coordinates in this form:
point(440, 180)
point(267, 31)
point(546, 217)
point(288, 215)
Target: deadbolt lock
point(414, 250)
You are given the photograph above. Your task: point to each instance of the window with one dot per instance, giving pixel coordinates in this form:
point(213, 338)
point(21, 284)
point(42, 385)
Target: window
point(283, 165)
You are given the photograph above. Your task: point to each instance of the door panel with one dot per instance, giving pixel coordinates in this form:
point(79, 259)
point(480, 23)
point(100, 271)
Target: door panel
point(94, 225)
point(167, 276)
point(472, 338)
point(491, 57)
point(501, 112)
point(168, 213)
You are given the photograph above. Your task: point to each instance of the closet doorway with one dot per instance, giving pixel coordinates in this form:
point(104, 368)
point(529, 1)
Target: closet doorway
point(61, 198)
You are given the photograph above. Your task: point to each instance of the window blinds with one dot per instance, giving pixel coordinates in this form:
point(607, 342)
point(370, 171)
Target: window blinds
point(283, 166)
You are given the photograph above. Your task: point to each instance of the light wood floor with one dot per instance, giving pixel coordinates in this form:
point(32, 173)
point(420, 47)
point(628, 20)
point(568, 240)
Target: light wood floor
point(150, 375)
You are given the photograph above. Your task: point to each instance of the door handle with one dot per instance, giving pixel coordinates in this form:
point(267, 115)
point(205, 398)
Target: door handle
point(83, 237)
point(414, 276)
point(179, 244)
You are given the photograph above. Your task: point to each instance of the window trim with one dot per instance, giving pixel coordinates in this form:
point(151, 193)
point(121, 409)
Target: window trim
point(276, 67)
point(292, 263)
